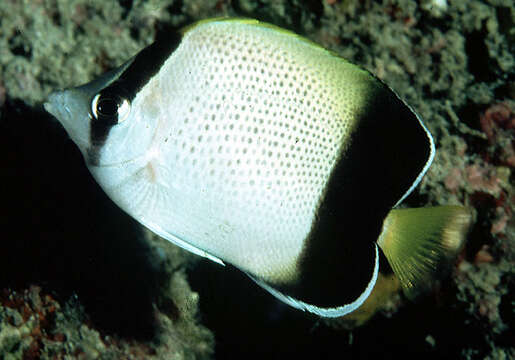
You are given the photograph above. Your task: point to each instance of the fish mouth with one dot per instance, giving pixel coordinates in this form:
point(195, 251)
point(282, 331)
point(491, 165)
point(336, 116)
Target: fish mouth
point(56, 106)
point(59, 105)
point(49, 105)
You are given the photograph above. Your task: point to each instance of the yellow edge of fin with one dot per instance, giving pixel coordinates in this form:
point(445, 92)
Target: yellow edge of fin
point(250, 21)
point(420, 243)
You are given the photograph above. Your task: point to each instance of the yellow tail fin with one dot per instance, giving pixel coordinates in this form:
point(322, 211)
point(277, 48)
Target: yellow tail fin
point(419, 243)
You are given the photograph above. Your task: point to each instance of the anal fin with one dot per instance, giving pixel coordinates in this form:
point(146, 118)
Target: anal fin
point(330, 312)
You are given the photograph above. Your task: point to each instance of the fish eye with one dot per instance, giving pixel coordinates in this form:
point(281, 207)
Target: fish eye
point(109, 108)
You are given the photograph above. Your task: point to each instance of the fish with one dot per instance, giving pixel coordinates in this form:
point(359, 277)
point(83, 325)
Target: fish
point(256, 148)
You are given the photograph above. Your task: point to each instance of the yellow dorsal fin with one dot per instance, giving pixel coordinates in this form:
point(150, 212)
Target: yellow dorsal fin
point(420, 243)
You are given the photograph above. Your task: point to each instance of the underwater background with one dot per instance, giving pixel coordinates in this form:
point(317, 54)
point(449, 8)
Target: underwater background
point(80, 279)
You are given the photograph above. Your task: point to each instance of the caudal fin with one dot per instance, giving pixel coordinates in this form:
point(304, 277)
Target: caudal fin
point(420, 243)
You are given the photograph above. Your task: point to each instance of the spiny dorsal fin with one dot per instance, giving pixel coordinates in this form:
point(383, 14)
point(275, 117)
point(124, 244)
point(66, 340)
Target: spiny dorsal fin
point(419, 243)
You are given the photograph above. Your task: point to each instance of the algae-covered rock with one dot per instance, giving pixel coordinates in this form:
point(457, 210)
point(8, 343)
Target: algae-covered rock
point(34, 325)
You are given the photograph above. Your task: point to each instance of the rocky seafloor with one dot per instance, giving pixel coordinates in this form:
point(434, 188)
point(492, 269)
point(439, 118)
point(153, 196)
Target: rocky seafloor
point(79, 279)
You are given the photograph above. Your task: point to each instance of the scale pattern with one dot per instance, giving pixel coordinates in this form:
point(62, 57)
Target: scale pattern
point(251, 123)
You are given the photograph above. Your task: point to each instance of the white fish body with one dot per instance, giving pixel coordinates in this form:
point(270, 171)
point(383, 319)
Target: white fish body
point(227, 145)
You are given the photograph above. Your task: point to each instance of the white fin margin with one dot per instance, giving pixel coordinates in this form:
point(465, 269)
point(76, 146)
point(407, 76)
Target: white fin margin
point(325, 312)
point(181, 243)
point(428, 162)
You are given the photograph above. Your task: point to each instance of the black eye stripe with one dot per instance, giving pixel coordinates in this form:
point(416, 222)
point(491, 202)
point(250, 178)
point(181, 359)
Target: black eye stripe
point(142, 68)
point(109, 108)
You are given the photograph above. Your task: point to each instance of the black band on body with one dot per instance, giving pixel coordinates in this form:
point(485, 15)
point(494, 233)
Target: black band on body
point(387, 151)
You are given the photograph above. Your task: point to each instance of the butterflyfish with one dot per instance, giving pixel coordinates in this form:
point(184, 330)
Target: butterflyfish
point(255, 147)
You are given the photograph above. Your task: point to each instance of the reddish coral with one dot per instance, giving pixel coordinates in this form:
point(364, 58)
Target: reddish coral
point(498, 116)
point(483, 178)
point(453, 180)
point(498, 123)
point(483, 255)
point(36, 312)
point(2, 94)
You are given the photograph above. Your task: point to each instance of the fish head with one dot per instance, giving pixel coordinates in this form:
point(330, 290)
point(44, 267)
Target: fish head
point(102, 120)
